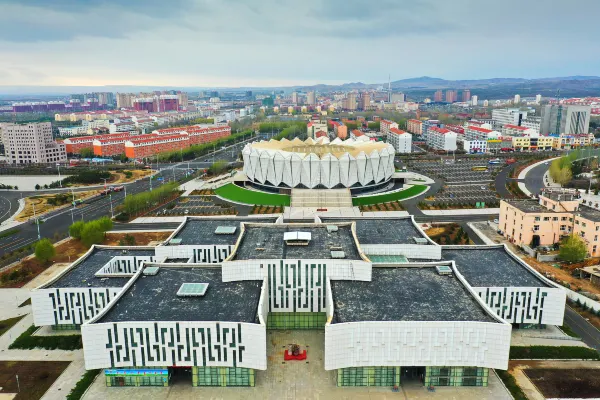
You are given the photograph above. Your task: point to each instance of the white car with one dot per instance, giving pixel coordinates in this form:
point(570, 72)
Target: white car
point(496, 221)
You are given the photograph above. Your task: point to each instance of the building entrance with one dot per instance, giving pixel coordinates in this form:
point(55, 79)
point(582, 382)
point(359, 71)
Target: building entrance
point(414, 374)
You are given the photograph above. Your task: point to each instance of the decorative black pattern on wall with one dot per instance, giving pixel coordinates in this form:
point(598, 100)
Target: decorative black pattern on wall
point(76, 306)
point(125, 264)
point(212, 254)
point(515, 305)
point(297, 286)
point(175, 344)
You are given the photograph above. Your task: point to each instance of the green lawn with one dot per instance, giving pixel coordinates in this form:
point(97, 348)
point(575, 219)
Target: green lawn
point(240, 195)
point(387, 197)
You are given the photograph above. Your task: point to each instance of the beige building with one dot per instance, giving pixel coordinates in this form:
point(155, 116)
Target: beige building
point(31, 144)
point(534, 143)
point(546, 221)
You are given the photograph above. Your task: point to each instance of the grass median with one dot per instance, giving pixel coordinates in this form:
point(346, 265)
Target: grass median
point(387, 197)
point(240, 195)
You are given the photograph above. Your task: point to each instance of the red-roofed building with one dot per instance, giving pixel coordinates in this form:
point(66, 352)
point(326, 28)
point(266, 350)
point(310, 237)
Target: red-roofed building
point(385, 125)
point(319, 134)
point(74, 145)
point(515, 130)
point(477, 133)
point(441, 139)
point(110, 145)
point(148, 145)
point(356, 133)
point(200, 135)
point(415, 126)
point(402, 141)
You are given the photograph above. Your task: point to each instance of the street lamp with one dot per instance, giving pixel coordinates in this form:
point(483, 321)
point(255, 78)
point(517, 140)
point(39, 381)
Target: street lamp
point(59, 180)
point(36, 221)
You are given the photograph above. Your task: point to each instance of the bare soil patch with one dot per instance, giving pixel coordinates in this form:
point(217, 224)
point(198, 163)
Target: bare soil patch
point(41, 204)
point(566, 383)
point(35, 377)
point(140, 238)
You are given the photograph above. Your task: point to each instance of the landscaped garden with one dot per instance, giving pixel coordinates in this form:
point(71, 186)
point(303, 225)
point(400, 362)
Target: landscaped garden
point(240, 195)
point(389, 197)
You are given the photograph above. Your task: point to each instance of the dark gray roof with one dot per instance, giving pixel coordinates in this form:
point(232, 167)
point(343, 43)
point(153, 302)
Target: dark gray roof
point(383, 230)
point(83, 274)
point(202, 232)
point(405, 294)
point(270, 238)
point(589, 213)
point(529, 206)
point(491, 268)
point(154, 298)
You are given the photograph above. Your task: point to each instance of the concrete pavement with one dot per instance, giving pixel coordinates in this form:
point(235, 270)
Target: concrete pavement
point(588, 332)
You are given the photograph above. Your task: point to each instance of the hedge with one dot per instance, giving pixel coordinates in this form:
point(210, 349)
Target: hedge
point(553, 352)
point(83, 384)
point(240, 195)
point(511, 384)
point(387, 197)
point(27, 341)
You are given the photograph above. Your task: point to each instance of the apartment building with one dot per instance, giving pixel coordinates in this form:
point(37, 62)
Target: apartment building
point(386, 125)
point(402, 141)
point(339, 129)
point(206, 134)
point(508, 116)
point(72, 131)
point(110, 145)
point(532, 123)
point(149, 145)
point(515, 130)
point(546, 221)
point(415, 126)
point(475, 146)
point(473, 132)
point(31, 144)
point(314, 126)
point(441, 139)
point(122, 126)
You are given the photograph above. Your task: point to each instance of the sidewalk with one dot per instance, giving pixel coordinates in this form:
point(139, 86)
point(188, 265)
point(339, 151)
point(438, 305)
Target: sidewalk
point(464, 211)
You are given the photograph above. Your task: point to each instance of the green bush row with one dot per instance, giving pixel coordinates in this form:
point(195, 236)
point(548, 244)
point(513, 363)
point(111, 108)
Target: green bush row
point(553, 352)
point(511, 384)
point(91, 232)
point(146, 200)
point(27, 342)
point(83, 384)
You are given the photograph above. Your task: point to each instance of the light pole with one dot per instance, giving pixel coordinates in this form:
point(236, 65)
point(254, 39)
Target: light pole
point(59, 180)
point(37, 223)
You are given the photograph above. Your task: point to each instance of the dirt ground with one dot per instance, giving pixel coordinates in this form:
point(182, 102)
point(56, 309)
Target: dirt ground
point(35, 377)
point(119, 176)
point(41, 204)
point(570, 383)
point(447, 234)
point(563, 274)
point(141, 238)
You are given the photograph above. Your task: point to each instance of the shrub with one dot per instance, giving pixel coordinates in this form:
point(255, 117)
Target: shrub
point(44, 250)
point(511, 384)
point(105, 224)
point(552, 352)
point(76, 228)
point(83, 384)
point(28, 342)
point(92, 233)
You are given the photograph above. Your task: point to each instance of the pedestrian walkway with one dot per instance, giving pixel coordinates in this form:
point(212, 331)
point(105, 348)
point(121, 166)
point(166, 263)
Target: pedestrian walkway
point(464, 211)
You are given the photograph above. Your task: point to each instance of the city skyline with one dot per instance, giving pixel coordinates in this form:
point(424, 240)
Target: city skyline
point(234, 44)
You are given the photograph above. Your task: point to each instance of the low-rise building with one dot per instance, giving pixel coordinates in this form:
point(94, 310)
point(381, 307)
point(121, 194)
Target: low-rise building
point(123, 126)
point(515, 130)
point(532, 143)
point(110, 145)
point(415, 126)
point(441, 139)
point(142, 146)
point(402, 141)
point(564, 141)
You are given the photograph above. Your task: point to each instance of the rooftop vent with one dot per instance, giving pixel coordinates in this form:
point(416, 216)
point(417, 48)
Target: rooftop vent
point(419, 240)
point(338, 254)
point(192, 289)
point(174, 242)
point(443, 270)
point(332, 228)
point(297, 238)
point(225, 230)
point(151, 271)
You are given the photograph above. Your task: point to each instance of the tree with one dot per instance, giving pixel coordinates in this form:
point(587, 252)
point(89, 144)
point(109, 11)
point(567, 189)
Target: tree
point(44, 250)
point(87, 152)
point(92, 233)
point(217, 167)
point(572, 248)
point(37, 186)
point(105, 224)
point(75, 229)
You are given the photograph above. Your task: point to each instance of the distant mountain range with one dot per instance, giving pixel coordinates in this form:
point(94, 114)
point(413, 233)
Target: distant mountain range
point(492, 88)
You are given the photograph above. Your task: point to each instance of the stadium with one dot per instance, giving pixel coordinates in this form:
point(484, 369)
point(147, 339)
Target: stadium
point(319, 164)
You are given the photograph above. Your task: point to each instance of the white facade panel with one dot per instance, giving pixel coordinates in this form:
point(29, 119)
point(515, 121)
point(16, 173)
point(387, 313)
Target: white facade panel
point(526, 305)
point(447, 343)
point(157, 344)
point(200, 254)
point(72, 306)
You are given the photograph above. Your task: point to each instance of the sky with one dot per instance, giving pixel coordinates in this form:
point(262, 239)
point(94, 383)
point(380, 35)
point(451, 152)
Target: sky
point(233, 43)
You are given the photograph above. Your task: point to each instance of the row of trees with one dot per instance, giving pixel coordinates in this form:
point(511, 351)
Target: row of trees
point(201, 149)
point(91, 232)
point(144, 201)
point(561, 169)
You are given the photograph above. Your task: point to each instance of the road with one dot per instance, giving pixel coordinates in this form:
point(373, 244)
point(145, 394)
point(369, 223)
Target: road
point(534, 180)
point(588, 332)
point(501, 181)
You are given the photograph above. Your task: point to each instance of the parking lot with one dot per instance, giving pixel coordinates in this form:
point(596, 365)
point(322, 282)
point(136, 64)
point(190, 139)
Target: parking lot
point(197, 205)
point(474, 193)
point(461, 171)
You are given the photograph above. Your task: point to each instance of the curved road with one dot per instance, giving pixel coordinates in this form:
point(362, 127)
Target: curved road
point(534, 180)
